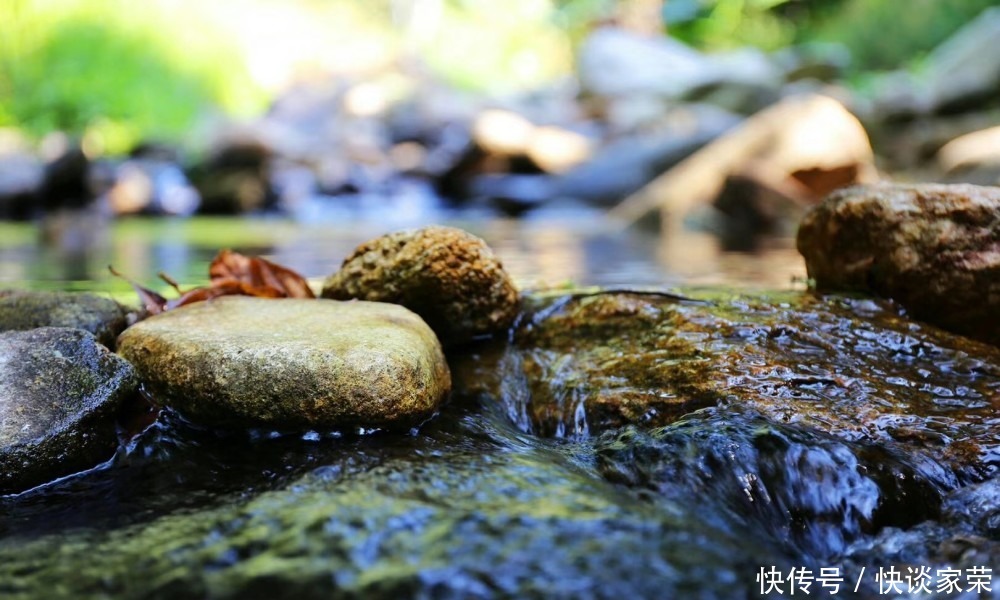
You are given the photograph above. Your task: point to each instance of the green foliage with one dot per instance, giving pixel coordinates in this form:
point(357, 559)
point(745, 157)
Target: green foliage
point(880, 34)
point(887, 34)
point(726, 24)
point(104, 68)
point(487, 45)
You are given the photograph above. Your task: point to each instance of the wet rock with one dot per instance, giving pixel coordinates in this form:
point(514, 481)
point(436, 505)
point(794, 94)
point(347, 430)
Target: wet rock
point(752, 470)
point(449, 277)
point(582, 364)
point(977, 506)
point(933, 248)
point(103, 317)
point(291, 364)
point(59, 394)
point(469, 508)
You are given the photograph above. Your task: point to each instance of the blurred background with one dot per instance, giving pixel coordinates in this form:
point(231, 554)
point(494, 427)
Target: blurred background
point(628, 142)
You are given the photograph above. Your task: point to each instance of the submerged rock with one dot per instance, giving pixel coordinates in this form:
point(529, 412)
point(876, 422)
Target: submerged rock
point(933, 248)
point(449, 277)
point(103, 317)
point(59, 394)
point(584, 364)
point(778, 477)
point(291, 364)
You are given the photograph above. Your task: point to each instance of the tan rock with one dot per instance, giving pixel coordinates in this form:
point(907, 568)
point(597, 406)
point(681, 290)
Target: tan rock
point(808, 142)
point(933, 248)
point(449, 277)
point(291, 364)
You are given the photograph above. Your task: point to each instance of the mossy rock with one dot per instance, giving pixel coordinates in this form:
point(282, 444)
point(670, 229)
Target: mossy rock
point(59, 395)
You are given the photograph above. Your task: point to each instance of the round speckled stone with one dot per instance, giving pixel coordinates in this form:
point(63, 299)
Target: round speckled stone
point(291, 364)
point(449, 277)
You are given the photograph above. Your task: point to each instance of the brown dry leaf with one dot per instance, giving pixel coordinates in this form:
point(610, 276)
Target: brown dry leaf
point(151, 301)
point(231, 274)
point(257, 276)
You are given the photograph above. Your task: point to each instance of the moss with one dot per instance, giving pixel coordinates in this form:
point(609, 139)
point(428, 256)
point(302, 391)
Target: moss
point(848, 366)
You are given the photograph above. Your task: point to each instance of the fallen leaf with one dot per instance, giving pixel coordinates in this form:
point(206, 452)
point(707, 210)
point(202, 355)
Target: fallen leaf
point(151, 301)
point(258, 276)
point(230, 274)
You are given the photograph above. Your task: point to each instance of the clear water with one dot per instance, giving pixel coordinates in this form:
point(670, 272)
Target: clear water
point(835, 434)
point(546, 250)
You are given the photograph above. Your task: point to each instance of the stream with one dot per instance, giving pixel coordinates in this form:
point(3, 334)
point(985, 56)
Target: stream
point(758, 441)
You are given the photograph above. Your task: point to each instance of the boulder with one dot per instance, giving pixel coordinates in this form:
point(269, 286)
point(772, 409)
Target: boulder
point(291, 364)
point(933, 248)
point(60, 392)
point(449, 277)
point(811, 142)
point(103, 317)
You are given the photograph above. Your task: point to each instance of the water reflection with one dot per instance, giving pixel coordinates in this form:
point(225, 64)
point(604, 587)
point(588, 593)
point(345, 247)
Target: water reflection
point(544, 250)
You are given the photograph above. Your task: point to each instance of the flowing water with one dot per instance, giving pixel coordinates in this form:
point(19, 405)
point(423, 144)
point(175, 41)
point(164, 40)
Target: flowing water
point(617, 445)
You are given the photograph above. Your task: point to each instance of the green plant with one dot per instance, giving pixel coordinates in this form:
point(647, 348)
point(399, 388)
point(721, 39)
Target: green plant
point(888, 34)
point(108, 69)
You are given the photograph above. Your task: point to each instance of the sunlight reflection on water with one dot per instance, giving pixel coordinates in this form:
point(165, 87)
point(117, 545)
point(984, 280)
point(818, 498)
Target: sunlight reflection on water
point(538, 252)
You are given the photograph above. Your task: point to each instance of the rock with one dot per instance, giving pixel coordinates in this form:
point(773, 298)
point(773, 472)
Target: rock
point(66, 182)
point(616, 62)
point(933, 248)
point(103, 317)
point(811, 134)
point(972, 158)
point(625, 165)
point(449, 277)
point(151, 186)
point(235, 178)
point(291, 364)
point(553, 149)
point(585, 363)
point(59, 395)
point(911, 144)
